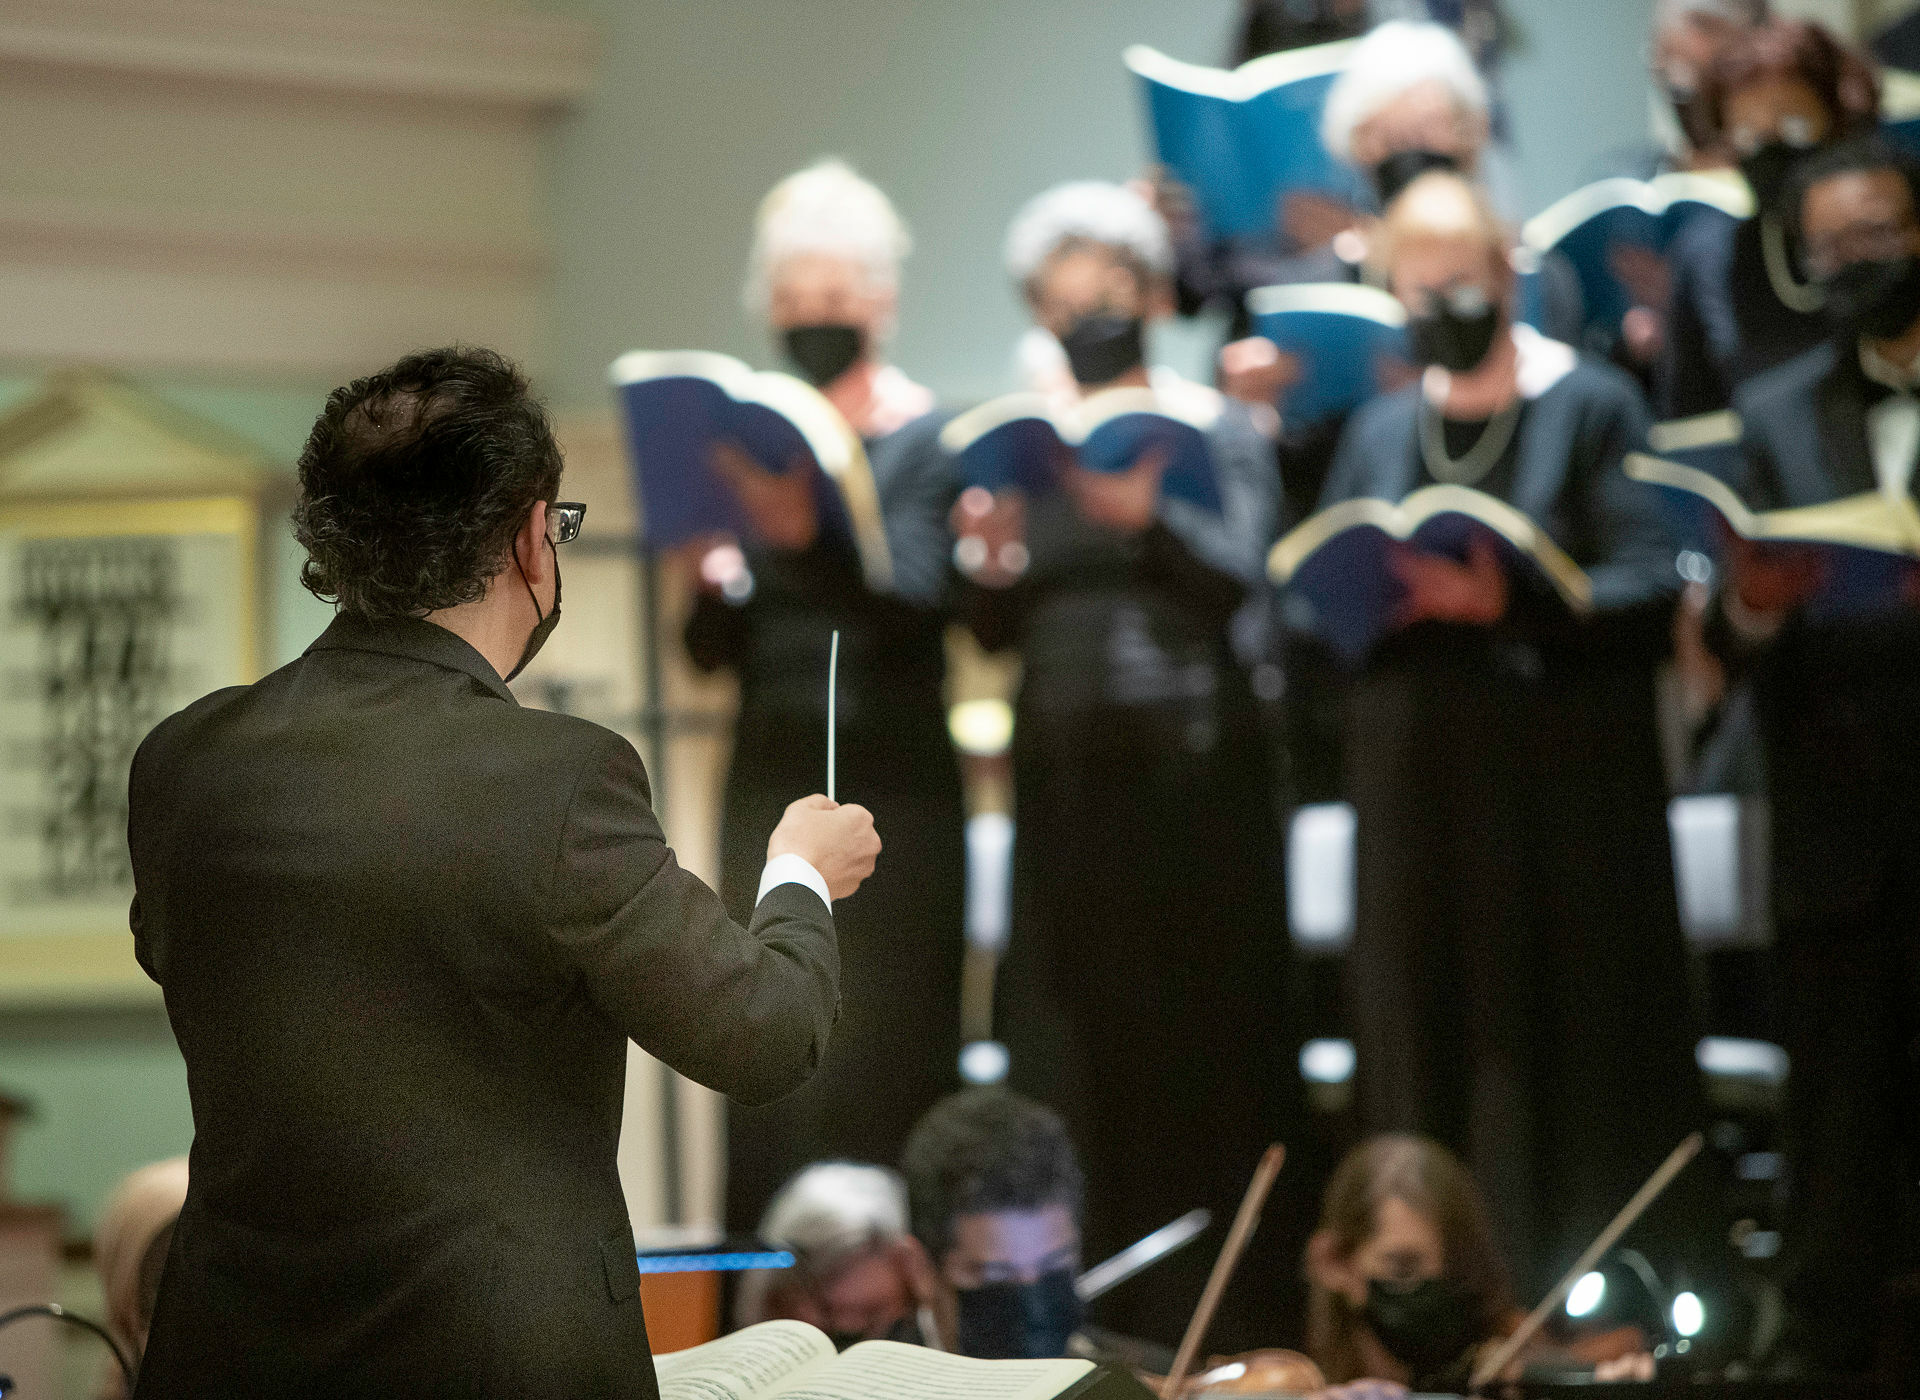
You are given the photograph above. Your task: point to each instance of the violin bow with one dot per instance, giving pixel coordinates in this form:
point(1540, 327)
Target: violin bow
point(1244, 1223)
point(1497, 1360)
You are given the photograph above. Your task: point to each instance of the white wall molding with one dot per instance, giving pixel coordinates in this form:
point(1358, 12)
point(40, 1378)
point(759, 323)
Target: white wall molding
point(395, 48)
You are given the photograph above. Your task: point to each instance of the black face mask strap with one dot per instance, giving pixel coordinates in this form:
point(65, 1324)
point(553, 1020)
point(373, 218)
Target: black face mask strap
point(538, 616)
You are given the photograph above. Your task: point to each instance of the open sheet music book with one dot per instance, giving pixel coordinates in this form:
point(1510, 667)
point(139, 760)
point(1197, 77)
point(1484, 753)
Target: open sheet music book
point(1348, 338)
point(1869, 544)
point(1017, 441)
point(679, 404)
point(793, 1361)
point(1338, 570)
point(1595, 226)
point(1243, 139)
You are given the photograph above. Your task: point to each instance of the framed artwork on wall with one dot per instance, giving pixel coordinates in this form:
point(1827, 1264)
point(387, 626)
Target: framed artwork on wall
point(115, 611)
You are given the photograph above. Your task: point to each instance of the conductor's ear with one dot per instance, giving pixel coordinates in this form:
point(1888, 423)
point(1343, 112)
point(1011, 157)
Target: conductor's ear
point(530, 544)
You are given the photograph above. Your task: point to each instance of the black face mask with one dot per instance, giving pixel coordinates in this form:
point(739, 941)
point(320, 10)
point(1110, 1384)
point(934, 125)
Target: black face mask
point(823, 353)
point(1456, 332)
point(1103, 346)
point(1427, 1326)
point(542, 629)
point(1028, 1321)
point(1402, 168)
point(1876, 299)
point(1767, 170)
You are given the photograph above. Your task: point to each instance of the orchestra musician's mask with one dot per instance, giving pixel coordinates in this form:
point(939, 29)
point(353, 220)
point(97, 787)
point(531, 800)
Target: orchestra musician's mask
point(1012, 1274)
point(1026, 1321)
point(1427, 1324)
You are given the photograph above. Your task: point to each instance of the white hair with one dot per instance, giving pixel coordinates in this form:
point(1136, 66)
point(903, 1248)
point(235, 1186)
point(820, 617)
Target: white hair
point(834, 1209)
point(1089, 210)
point(1393, 59)
point(1742, 14)
point(826, 208)
point(827, 1213)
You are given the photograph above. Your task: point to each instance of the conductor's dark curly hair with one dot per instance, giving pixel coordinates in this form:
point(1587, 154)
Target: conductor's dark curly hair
point(984, 1150)
point(416, 479)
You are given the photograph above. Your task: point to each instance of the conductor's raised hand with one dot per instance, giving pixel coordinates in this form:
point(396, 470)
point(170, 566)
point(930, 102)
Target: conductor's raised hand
point(837, 840)
point(779, 505)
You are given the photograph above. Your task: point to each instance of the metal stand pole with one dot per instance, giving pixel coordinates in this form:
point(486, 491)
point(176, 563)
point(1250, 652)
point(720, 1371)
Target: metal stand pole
point(654, 729)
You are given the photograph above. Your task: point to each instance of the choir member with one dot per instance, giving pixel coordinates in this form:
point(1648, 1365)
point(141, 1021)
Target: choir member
point(1408, 1283)
point(1518, 973)
point(996, 1194)
point(1839, 709)
point(1688, 36)
point(1408, 98)
point(130, 1244)
point(858, 1273)
point(1146, 981)
point(825, 276)
point(1741, 299)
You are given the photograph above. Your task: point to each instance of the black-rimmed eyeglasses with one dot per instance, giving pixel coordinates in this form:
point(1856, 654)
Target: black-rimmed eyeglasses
point(564, 517)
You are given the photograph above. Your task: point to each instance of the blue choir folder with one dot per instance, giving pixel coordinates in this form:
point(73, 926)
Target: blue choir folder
point(1868, 545)
point(1707, 441)
point(1017, 441)
point(1594, 225)
point(1241, 140)
point(1337, 568)
point(680, 404)
point(1900, 108)
point(1347, 337)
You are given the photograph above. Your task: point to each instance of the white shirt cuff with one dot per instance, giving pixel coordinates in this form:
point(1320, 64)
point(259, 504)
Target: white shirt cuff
point(790, 869)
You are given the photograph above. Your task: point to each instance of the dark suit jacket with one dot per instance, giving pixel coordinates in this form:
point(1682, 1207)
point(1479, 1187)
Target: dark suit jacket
point(405, 929)
point(1839, 705)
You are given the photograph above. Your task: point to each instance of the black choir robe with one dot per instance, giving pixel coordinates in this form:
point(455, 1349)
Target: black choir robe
point(1726, 323)
point(1839, 712)
point(896, 1048)
point(1145, 991)
point(1518, 977)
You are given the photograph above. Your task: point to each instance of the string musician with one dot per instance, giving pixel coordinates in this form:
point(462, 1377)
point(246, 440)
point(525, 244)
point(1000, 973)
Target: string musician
point(1518, 976)
point(1408, 1282)
point(1146, 979)
point(824, 279)
point(1839, 712)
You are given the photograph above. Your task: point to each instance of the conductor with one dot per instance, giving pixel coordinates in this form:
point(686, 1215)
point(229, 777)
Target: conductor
point(405, 929)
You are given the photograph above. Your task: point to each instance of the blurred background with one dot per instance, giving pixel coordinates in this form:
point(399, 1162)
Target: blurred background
point(213, 211)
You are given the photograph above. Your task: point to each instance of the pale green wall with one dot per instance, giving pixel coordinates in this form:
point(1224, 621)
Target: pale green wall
point(960, 110)
point(110, 1087)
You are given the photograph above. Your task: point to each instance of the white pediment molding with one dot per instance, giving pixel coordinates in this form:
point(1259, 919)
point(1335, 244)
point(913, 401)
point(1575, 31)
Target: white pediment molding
point(394, 48)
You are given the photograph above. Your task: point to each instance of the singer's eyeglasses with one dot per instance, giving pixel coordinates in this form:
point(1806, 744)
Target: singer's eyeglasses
point(564, 518)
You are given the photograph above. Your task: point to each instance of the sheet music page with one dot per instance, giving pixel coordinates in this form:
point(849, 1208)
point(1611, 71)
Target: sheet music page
point(896, 1371)
point(749, 1365)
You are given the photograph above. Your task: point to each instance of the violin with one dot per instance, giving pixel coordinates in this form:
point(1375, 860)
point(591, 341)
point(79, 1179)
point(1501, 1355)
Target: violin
point(1270, 1371)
